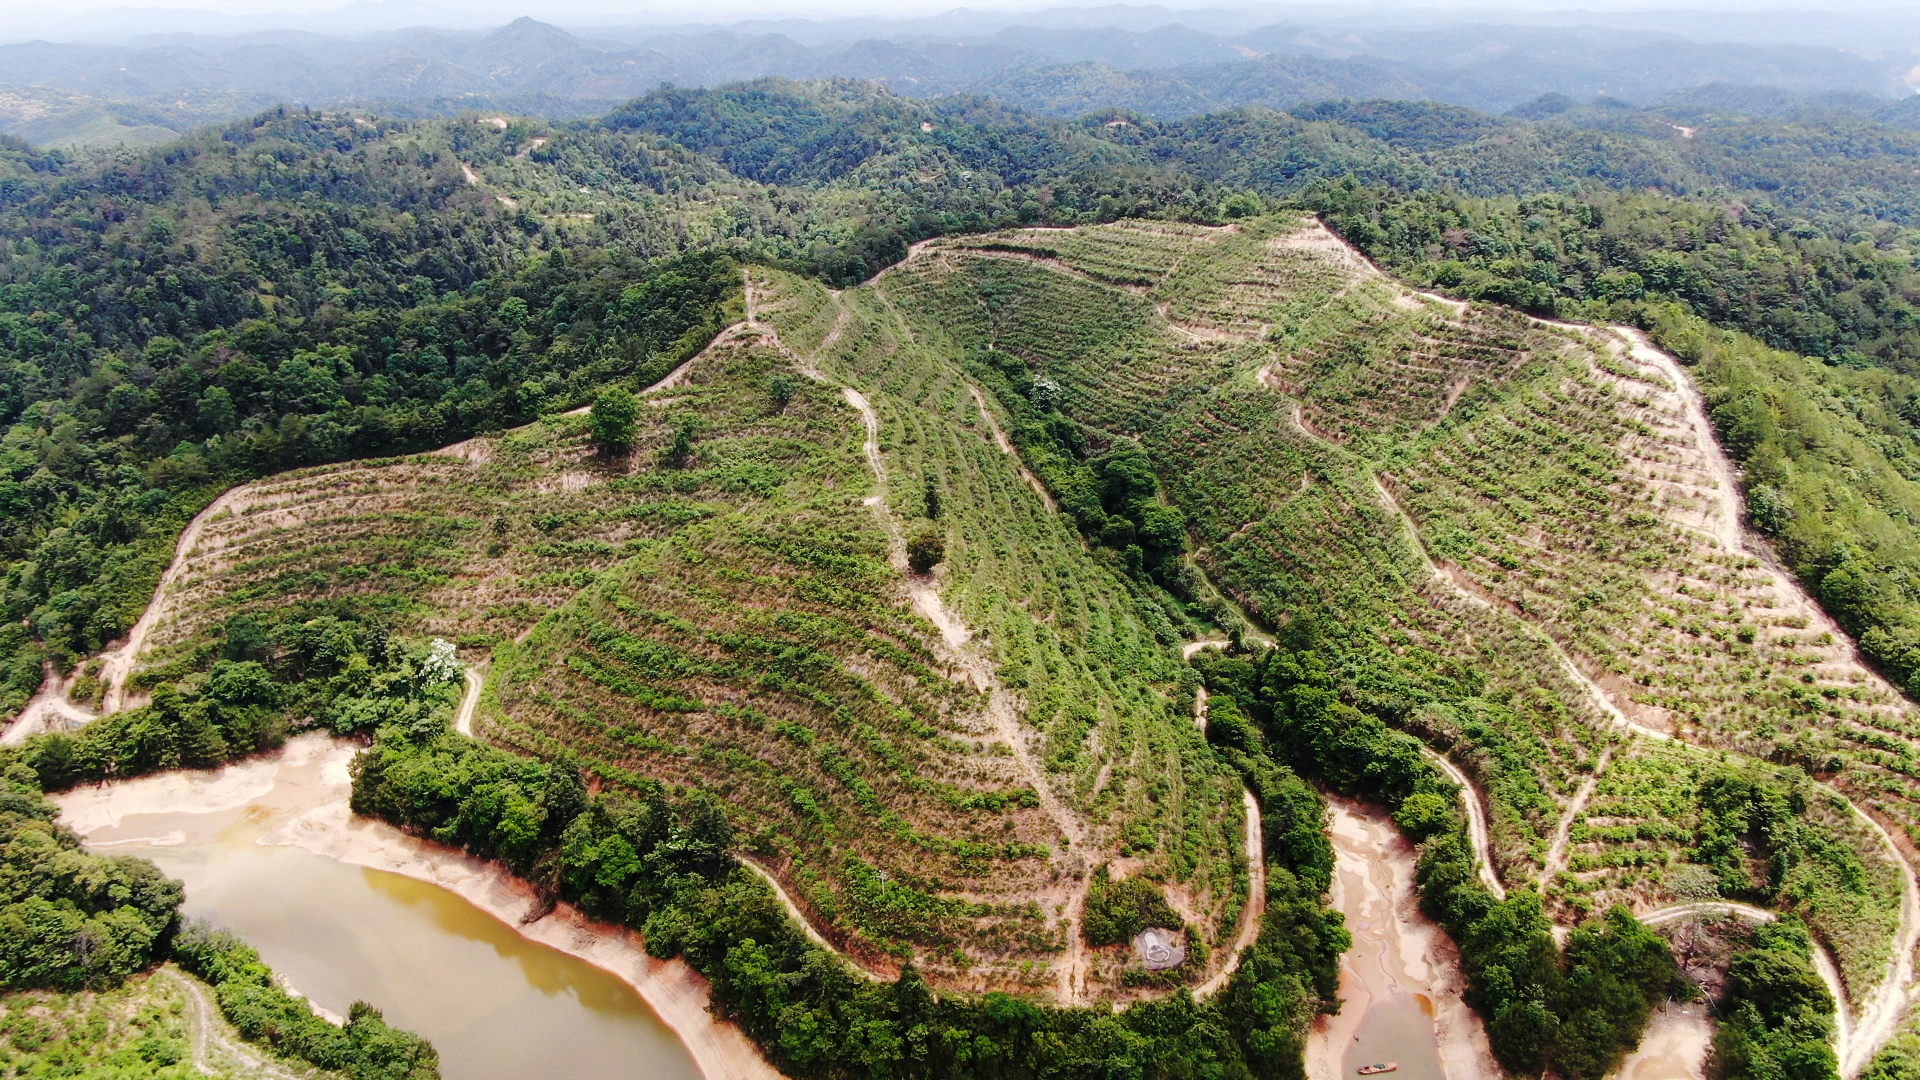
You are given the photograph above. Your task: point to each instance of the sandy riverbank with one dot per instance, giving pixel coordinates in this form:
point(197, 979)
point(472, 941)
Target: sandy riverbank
point(1674, 1047)
point(1397, 953)
point(300, 795)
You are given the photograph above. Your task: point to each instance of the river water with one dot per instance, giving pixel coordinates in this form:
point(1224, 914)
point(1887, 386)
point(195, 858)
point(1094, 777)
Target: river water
point(496, 1006)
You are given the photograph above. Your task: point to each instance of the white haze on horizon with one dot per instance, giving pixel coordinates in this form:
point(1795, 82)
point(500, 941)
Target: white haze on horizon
point(111, 20)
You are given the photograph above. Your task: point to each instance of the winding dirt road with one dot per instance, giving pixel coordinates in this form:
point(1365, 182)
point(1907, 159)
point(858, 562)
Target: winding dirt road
point(463, 720)
point(1253, 916)
point(117, 663)
point(806, 926)
point(1477, 832)
point(209, 1035)
point(1877, 1015)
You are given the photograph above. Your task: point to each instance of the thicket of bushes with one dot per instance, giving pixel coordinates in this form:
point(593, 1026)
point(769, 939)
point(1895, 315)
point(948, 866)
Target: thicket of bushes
point(1776, 1016)
point(1117, 911)
point(305, 666)
point(70, 920)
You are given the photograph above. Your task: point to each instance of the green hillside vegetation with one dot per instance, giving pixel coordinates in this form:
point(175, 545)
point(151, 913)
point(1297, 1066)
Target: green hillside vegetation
point(1826, 446)
point(719, 608)
point(1776, 1014)
point(662, 865)
point(155, 297)
point(1436, 408)
point(933, 689)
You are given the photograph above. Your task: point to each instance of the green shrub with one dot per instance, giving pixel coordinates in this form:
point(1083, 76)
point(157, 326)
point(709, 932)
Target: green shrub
point(1117, 911)
point(614, 420)
point(1776, 1015)
point(926, 548)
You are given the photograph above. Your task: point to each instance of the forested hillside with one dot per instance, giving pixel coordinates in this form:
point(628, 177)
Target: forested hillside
point(833, 479)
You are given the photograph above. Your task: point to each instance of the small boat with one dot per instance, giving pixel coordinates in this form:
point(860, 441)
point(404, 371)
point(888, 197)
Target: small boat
point(1379, 1067)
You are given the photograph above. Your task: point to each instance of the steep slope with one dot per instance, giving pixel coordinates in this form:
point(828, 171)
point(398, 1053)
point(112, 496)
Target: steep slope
point(1512, 533)
point(737, 618)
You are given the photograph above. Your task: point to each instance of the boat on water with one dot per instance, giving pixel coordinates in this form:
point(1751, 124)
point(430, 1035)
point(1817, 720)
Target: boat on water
point(1379, 1067)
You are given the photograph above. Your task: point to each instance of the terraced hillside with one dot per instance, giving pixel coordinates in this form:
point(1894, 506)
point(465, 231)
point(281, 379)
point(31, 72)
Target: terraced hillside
point(1515, 540)
point(728, 609)
point(1518, 537)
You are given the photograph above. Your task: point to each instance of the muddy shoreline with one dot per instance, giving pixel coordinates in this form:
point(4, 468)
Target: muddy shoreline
point(1398, 953)
point(300, 796)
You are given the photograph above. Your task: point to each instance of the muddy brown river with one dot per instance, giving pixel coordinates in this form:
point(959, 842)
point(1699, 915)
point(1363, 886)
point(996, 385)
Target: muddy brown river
point(496, 1005)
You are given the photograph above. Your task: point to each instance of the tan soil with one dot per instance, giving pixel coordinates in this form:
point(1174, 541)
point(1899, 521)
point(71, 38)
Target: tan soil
point(50, 710)
point(1674, 1047)
point(1397, 949)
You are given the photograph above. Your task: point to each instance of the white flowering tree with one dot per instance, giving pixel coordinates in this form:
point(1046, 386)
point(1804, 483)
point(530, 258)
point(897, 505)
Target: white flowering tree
point(441, 665)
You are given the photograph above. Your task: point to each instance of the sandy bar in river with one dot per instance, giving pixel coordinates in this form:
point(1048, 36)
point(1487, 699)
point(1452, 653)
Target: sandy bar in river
point(1395, 949)
point(1674, 1047)
point(302, 792)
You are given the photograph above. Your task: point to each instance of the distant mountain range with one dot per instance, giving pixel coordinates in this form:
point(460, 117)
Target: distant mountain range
point(148, 88)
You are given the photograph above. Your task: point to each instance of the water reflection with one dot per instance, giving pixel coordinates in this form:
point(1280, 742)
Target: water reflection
point(498, 1007)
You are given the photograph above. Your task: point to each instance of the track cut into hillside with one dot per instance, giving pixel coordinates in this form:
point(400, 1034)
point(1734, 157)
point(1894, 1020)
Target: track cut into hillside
point(1484, 508)
point(1471, 801)
point(48, 710)
point(924, 596)
point(1252, 916)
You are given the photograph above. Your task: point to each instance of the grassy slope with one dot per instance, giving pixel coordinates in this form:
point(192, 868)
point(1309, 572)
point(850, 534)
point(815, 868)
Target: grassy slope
point(736, 625)
point(148, 1029)
point(1542, 473)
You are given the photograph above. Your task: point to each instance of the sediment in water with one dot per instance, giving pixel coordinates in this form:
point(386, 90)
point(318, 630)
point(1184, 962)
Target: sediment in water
point(299, 795)
point(1398, 953)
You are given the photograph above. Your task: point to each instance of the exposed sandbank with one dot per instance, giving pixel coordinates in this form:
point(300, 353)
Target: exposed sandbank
point(300, 796)
point(1674, 1047)
point(1396, 950)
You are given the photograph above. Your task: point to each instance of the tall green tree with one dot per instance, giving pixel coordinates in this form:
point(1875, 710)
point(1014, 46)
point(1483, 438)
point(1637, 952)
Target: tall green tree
point(614, 420)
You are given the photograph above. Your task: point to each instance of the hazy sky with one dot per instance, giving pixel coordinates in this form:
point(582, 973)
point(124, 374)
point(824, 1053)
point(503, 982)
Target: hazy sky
point(120, 19)
point(653, 10)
